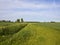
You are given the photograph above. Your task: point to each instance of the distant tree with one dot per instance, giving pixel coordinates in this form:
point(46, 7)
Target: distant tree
point(22, 20)
point(9, 21)
point(52, 21)
point(18, 20)
point(3, 21)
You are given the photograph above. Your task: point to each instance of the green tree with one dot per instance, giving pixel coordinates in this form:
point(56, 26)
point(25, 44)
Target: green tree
point(18, 20)
point(22, 20)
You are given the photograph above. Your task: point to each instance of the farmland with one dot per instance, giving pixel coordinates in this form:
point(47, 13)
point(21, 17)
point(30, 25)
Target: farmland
point(30, 33)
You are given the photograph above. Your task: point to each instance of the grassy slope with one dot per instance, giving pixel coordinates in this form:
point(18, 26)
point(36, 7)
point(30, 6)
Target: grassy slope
point(7, 31)
point(36, 34)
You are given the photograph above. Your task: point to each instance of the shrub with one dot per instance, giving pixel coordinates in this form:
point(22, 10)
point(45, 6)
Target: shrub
point(52, 21)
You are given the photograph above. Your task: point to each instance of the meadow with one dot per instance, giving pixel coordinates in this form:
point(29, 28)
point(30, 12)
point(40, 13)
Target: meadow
point(43, 33)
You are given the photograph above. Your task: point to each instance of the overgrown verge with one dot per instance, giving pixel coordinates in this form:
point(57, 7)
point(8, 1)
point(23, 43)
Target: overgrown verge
point(7, 31)
point(11, 29)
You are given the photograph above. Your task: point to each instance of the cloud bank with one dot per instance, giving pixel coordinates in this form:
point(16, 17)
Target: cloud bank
point(34, 10)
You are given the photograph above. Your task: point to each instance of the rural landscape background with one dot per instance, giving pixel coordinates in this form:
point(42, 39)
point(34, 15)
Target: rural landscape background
point(29, 22)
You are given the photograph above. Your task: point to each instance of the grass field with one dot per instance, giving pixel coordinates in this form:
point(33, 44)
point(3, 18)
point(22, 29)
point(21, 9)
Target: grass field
point(30, 33)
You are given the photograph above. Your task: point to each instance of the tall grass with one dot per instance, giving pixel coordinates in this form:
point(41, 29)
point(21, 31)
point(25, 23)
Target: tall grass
point(8, 30)
point(11, 29)
point(35, 34)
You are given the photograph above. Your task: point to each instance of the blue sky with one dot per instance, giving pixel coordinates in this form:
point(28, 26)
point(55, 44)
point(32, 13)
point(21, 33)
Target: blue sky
point(30, 10)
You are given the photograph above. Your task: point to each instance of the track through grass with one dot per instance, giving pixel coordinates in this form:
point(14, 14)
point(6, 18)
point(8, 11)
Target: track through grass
point(36, 34)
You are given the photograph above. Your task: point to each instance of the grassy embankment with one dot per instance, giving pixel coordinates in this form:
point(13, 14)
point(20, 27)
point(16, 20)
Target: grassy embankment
point(35, 34)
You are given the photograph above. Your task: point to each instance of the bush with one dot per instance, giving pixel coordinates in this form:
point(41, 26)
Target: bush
point(52, 21)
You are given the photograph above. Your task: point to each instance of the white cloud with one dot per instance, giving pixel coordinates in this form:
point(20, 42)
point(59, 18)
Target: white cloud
point(21, 4)
point(6, 7)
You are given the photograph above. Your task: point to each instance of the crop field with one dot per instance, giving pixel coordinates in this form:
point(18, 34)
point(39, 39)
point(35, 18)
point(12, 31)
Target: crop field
point(30, 33)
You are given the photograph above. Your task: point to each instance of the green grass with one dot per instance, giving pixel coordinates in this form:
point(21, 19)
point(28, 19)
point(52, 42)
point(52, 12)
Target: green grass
point(5, 24)
point(35, 34)
point(7, 31)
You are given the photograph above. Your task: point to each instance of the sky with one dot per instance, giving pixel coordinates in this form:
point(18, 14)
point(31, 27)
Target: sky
point(30, 10)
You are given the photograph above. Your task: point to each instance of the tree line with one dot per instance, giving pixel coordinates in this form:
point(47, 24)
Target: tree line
point(18, 20)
